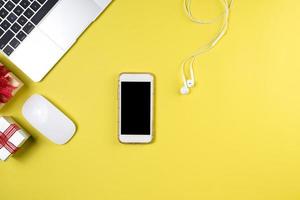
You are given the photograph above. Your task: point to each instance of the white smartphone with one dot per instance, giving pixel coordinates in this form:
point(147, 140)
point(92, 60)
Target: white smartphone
point(136, 108)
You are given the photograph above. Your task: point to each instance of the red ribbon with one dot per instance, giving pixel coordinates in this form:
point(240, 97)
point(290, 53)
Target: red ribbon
point(6, 135)
point(6, 89)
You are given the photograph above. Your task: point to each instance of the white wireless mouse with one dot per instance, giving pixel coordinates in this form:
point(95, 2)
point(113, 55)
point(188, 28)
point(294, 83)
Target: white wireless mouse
point(48, 120)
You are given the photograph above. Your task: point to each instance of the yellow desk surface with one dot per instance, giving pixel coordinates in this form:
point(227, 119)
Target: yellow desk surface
point(236, 137)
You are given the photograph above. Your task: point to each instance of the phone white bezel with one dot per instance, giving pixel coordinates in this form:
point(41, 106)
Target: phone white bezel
point(136, 77)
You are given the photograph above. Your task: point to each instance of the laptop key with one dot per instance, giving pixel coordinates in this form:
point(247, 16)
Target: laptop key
point(16, 1)
point(8, 50)
point(11, 17)
point(9, 6)
point(15, 27)
point(1, 32)
point(21, 36)
point(28, 13)
point(1, 3)
point(18, 10)
point(3, 13)
point(24, 3)
point(35, 6)
point(6, 38)
point(14, 43)
point(28, 27)
point(22, 20)
point(41, 1)
point(43, 11)
point(5, 25)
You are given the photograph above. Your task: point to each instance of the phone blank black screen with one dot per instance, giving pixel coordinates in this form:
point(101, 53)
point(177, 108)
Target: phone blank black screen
point(135, 108)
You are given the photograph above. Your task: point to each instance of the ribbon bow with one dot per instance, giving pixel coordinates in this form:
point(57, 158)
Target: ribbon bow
point(6, 135)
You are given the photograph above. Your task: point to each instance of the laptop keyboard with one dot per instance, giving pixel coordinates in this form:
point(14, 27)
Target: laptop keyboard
point(18, 18)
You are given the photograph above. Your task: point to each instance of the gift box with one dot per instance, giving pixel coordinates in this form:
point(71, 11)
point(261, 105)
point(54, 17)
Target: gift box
point(9, 85)
point(12, 137)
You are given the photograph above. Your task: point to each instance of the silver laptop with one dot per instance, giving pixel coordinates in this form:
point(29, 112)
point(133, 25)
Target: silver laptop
point(35, 34)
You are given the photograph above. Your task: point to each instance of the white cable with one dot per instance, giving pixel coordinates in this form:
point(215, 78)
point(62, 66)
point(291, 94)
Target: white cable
point(211, 43)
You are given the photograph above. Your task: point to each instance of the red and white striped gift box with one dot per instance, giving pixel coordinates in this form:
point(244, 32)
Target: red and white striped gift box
point(12, 137)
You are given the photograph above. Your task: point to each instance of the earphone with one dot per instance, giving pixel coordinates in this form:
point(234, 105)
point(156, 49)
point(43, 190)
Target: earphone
point(189, 83)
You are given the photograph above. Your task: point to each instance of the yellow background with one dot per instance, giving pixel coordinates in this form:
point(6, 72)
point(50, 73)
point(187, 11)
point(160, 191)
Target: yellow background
point(237, 136)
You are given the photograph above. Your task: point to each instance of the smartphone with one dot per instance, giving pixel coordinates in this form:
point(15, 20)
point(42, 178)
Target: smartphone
point(136, 108)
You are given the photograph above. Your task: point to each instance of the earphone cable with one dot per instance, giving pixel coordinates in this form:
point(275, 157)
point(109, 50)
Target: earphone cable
point(212, 43)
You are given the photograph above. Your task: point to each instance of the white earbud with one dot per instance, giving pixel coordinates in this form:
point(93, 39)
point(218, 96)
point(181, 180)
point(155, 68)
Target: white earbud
point(187, 84)
point(184, 90)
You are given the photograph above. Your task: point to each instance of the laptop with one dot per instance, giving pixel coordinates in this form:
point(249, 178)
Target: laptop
point(35, 34)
